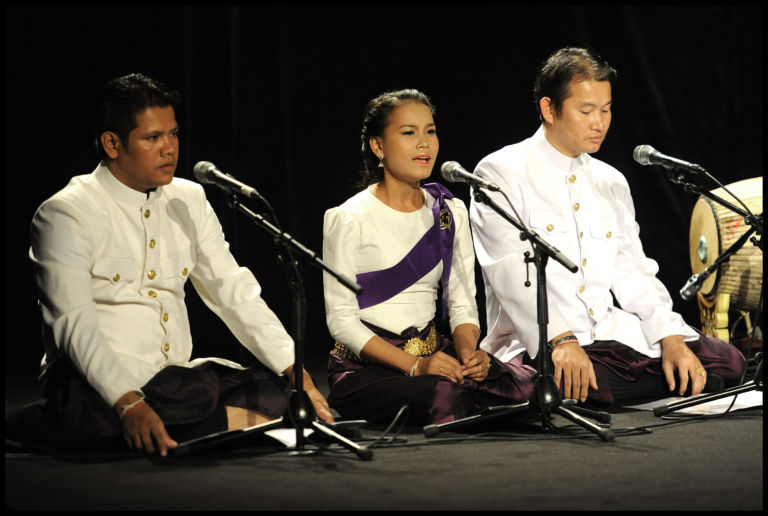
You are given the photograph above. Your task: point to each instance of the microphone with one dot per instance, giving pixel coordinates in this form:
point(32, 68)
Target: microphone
point(206, 172)
point(647, 155)
point(455, 173)
point(695, 282)
point(692, 286)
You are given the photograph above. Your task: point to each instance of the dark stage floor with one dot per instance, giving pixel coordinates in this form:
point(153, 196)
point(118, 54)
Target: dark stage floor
point(507, 464)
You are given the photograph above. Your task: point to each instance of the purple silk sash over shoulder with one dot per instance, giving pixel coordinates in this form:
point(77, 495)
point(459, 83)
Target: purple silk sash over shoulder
point(436, 245)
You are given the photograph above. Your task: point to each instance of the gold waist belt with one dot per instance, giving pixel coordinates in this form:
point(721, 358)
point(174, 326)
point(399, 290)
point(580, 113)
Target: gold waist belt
point(414, 346)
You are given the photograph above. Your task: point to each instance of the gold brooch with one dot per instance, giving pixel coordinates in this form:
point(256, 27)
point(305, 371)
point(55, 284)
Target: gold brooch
point(445, 219)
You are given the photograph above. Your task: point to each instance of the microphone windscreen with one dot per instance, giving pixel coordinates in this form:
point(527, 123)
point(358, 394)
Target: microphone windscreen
point(202, 170)
point(448, 168)
point(642, 153)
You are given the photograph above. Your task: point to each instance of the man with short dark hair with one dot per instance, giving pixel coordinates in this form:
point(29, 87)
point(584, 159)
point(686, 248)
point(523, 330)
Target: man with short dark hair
point(583, 207)
point(112, 252)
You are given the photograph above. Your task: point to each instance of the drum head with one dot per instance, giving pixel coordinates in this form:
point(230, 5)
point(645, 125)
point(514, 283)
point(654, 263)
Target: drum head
point(704, 240)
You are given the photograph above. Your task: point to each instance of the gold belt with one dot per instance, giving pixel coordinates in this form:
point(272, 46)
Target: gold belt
point(414, 346)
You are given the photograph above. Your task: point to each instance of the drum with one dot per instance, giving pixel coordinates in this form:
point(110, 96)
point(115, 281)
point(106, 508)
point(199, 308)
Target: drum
point(737, 283)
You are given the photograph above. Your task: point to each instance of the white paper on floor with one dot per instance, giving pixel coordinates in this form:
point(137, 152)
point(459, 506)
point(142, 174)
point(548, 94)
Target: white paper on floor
point(744, 400)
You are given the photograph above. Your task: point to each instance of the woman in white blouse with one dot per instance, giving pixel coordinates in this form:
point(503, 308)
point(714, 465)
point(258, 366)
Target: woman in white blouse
point(401, 240)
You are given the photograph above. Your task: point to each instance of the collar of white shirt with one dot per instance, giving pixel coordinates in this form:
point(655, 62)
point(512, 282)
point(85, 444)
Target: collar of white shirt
point(558, 159)
point(121, 192)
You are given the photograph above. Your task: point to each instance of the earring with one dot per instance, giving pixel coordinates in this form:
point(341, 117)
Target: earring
point(381, 161)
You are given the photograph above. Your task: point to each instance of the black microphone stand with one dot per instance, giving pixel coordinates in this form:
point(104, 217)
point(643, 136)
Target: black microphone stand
point(546, 397)
point(756, 226)
point(300, 413)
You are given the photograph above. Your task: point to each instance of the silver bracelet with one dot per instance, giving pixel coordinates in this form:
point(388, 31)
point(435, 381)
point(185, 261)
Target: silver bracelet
point(125, 408)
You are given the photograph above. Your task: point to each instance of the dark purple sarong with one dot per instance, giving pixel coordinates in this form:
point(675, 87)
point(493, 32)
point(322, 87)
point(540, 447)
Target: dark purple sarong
point(190, 401)
point(623, 373)
point(361, 390)
point(376, 392)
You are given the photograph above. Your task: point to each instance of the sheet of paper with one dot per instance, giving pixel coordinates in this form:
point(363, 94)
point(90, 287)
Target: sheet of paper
point(744, 400)
point(287, 436)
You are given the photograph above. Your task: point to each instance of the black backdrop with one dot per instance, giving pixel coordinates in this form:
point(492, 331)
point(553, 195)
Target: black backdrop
point(274, 96)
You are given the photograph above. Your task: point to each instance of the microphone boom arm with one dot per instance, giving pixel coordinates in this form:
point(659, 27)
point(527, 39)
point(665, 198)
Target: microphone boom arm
point(699, 279)
point(677, 178)
point(752, 220)
point(289, 241)
point(526, 234)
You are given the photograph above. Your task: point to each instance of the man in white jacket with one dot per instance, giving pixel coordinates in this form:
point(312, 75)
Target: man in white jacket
point(112, 252)
point(605, 351)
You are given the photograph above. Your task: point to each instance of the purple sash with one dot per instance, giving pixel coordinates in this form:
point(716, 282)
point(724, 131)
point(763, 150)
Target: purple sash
point(434, 246)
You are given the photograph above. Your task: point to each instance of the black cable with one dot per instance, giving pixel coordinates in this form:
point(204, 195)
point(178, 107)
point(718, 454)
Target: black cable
point(401, 416)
